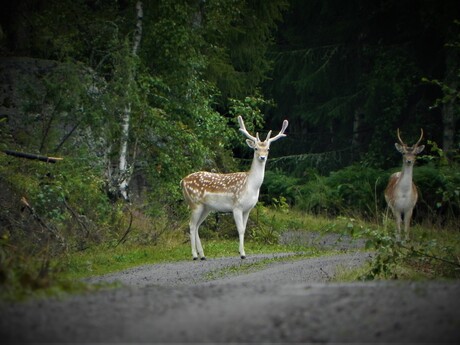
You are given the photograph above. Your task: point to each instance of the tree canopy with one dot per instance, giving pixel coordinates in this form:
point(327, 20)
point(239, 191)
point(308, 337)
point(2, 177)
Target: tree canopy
point(194, 59)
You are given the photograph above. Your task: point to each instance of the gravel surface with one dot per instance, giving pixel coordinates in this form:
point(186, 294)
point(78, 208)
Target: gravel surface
point(289, 301)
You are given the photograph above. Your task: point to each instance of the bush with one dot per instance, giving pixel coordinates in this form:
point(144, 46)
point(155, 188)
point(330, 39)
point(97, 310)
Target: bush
point(278, 185)
point(62, 204)
point(317, 197)
point(360, 189)
point(355, 189)
point(439, 194)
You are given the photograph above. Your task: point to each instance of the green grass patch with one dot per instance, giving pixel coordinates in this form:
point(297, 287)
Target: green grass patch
point(103, 260)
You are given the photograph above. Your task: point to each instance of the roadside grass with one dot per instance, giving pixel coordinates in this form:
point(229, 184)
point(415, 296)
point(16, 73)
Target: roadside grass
point(104, 258)
point(433, 253)
point(32, 276)
point(101, 260)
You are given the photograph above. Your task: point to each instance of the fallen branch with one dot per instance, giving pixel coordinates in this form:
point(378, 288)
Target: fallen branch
point(77, 217)
point(419, 253)
point(33, 156)
point(123, 238)
point(40, 220)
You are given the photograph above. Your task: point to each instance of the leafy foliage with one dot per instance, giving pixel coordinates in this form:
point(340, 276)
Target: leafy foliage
point(280, 187)
point(439, 194)
point(393, 257)
point(429, 254)
point(359, 191)
point(354, 189)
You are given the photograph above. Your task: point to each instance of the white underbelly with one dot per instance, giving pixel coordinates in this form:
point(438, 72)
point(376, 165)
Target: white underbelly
point(226, 202)
point(221, 202)
point(404, 202)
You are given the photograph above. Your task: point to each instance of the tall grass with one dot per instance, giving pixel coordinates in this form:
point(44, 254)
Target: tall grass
point(431, 254)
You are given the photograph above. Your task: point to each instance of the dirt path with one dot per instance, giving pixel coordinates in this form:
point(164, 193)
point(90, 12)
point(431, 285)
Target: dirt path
point(285, 302)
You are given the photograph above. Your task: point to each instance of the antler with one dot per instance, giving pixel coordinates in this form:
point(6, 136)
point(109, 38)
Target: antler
point(280, 134)
point(256, 138)
point(399, 138)
point(421, 136)
point(245, 132)
point(416, 144)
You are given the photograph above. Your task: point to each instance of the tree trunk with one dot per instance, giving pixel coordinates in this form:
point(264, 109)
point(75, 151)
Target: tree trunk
point(123, 162)
point(124, 172)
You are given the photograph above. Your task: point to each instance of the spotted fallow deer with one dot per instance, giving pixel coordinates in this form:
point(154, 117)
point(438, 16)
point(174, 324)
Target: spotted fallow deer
point(235, 192)
point(401, 193)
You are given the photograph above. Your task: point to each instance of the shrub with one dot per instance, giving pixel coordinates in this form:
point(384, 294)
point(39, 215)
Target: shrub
point(278, 185)
point(317, 197)
point(355, 189)
point(439, 194)
point(360, 189)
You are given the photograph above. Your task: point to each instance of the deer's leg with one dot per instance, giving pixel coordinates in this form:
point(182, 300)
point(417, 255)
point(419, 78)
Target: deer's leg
point(193, 230)
point(398, 216)
point(199, 247)
point(407, 218)
point(205, 212)
point(240, 226)
point(245, 218)
point(199, 214)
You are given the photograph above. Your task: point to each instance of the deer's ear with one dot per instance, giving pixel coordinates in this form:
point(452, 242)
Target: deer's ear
point(419, 149)
point(400, 148)
point(251, 143)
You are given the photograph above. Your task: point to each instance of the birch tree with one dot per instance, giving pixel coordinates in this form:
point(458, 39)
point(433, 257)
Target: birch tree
point(125, 171)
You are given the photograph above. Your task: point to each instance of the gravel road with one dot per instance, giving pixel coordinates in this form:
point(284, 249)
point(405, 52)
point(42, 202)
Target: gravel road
point(289, 301)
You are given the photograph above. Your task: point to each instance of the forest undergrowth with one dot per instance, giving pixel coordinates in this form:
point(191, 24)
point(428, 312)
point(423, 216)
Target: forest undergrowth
point(49, 269)
point(58, 224)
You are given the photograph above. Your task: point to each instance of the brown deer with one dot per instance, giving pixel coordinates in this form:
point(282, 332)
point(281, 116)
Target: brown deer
point(235, 192)
point(401, 193)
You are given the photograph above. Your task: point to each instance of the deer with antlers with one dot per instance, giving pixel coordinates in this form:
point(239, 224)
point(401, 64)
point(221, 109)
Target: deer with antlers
point(235, 192)
point(401, 193)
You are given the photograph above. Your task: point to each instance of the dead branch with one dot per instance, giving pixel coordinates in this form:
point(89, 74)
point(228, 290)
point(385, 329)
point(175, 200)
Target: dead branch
point(123, 238)
point(40, 220)
point(33, 156)
point(77, 217)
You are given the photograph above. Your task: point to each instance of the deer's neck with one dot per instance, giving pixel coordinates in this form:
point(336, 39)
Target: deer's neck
point(405, 180)
point(256, 174)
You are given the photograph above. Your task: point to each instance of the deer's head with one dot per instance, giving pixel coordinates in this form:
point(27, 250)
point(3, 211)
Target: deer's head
point(409, 152)
point(261, 148)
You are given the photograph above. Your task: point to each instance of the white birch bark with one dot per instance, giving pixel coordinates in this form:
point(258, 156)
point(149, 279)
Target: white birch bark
point(123, 161)
point(124, 171)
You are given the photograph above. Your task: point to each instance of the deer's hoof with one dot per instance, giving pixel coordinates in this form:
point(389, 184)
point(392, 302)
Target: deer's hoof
point(203, 258)
point(195, 258)
point(243, 256)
